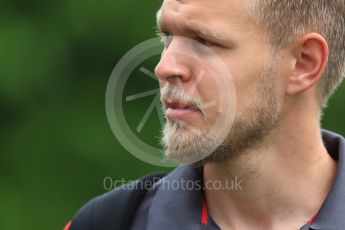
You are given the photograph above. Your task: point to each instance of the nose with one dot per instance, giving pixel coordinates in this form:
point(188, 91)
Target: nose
point(174, 64)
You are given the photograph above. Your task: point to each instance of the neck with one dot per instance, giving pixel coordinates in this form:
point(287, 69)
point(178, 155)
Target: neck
point(280, 184)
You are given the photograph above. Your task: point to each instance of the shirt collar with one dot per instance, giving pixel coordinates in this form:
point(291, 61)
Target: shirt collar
point(331, 214)
point(177, 202)
point(177, 206)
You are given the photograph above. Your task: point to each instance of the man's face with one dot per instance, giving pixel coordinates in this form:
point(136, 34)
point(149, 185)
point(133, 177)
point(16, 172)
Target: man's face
point(193, 101)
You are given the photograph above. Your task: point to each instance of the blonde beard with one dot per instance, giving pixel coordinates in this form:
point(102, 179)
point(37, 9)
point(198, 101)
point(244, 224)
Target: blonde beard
point(249, 128)
point(185, 146)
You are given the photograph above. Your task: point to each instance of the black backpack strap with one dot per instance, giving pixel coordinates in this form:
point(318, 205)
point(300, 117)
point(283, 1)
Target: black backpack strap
point(115, 209)
point(137, 196)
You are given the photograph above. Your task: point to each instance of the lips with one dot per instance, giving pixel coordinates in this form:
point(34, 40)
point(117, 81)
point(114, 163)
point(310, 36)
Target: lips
point(177, 105)
point(179, 111)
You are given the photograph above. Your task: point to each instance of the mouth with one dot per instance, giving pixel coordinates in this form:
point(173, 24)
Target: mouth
point(179, 111)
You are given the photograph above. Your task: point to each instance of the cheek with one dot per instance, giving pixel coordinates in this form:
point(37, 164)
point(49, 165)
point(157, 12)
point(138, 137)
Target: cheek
point(246, 86)
point(216, 98)
point(283, 73)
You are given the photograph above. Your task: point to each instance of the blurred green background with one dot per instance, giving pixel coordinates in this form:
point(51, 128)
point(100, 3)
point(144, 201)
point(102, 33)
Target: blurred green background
point(56, 146)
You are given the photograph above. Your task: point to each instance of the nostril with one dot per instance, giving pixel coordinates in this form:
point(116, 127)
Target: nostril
point(172, 69)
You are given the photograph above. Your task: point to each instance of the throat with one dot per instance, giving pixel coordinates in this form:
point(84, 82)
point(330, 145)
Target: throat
point(266, 190)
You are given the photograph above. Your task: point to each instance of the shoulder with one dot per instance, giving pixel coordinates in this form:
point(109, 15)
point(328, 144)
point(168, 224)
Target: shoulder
point(114, 208)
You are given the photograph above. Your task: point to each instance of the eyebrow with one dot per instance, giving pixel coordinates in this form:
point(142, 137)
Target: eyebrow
point(199, 30)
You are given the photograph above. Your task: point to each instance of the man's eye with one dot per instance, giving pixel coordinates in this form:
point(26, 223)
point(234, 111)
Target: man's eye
point(166, 38)
point(205, 42)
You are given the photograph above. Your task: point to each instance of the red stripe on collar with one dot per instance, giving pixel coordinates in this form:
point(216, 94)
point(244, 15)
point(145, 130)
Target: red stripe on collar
point(311, 219)
point(204, 213)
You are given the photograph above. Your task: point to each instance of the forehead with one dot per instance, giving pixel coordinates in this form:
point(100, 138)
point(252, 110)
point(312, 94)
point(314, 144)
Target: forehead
point(218, 13)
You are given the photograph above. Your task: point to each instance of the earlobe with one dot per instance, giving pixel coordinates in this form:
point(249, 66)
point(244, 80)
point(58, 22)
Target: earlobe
point(311, 53)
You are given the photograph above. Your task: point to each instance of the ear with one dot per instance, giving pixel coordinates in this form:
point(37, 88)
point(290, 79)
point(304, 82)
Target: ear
point(311, 54)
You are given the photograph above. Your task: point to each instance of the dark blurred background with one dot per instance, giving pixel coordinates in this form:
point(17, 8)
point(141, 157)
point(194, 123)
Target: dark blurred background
point(56, 146)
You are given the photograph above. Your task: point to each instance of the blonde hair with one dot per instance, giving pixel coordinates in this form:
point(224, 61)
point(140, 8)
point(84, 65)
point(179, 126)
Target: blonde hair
point(285, 20)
